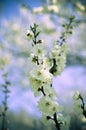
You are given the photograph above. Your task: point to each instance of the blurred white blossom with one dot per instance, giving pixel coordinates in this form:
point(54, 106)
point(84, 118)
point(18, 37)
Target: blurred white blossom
point(76, 95)
point(77, 107)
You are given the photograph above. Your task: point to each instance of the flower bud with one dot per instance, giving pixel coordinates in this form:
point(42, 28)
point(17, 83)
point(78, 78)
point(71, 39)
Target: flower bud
point(29, 33)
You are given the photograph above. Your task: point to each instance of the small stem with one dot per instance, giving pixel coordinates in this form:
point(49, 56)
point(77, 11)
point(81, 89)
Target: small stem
point(4, 113)
point(53, 69)
point(5, 107)
point(42, 90)
point(3, 121)
point(83, 106)
point(35, 41)
point(51, 85)
point(37, 60)
point(34, 30)
point(56, 122)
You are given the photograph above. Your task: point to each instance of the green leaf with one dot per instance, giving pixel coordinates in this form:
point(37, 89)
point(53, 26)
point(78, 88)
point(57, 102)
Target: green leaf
point(37, 33)
point(31, 28)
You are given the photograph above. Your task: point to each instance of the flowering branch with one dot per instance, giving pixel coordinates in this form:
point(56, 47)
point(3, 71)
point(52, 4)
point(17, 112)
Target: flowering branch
point(42, 72)
point(67, 30)
point(58, 54)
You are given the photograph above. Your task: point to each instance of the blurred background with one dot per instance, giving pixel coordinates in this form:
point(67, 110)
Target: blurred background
point(16, 16)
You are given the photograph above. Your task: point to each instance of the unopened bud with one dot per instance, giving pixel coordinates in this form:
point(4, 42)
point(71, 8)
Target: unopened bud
point(29, 33)
point(40, 41)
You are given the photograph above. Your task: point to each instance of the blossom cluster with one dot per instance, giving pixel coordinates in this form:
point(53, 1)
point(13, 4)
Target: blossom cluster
point(45, 65)
point(58, 54)
point(79, 104)
point(41, 75)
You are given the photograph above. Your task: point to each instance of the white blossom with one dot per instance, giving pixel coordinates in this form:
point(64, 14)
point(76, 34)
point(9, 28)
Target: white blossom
point(48, 106)
point(49, 91)
point(39, 49)
point(41, 74)
point(56, 51)
point(35, 85)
